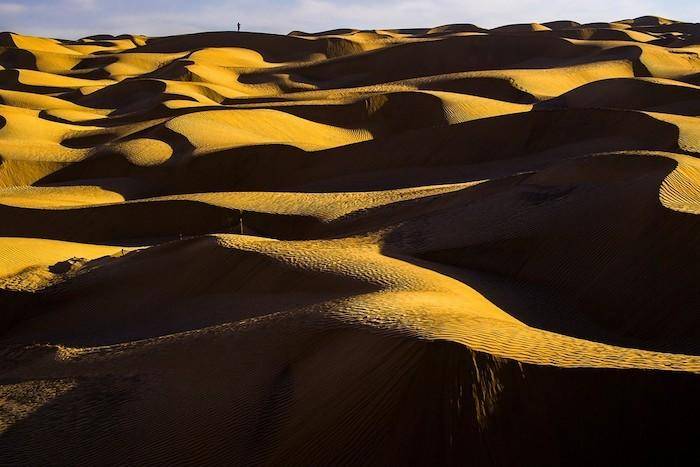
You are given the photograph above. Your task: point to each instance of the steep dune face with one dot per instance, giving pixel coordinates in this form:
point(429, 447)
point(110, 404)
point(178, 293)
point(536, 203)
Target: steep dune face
point(445, 245)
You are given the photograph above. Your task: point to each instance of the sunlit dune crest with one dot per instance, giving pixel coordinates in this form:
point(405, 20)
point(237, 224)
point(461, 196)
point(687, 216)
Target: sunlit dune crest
point(450, 245)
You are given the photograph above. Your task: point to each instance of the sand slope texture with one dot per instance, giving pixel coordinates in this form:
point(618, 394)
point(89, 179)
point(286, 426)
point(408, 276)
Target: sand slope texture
point(434, 246)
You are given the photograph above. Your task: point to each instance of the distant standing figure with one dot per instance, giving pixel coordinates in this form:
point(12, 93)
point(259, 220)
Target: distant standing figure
point(239, 27)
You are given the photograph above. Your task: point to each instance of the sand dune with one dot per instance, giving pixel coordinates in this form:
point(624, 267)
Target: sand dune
point(447, 245)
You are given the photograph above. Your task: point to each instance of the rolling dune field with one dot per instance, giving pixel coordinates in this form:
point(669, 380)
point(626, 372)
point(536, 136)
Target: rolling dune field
point(446, 246)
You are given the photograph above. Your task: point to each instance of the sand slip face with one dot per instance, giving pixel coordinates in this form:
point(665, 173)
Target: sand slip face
point(448, 245)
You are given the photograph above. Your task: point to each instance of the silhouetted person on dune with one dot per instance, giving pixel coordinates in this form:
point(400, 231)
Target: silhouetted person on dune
point(239, 27)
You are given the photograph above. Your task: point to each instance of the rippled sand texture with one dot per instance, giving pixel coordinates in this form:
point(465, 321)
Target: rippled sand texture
point(429, 246)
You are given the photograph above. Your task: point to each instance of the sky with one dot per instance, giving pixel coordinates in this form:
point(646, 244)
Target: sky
point(71, 19)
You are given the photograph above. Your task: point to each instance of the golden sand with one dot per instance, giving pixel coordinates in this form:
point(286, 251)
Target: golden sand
point(449, 245)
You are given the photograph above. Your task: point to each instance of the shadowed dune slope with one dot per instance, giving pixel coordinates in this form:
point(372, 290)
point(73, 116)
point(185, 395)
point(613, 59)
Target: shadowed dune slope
point(434, 246)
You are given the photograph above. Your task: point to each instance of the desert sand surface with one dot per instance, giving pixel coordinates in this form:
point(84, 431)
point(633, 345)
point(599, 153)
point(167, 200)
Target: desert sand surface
point(440, 246)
